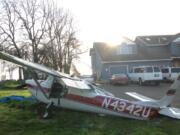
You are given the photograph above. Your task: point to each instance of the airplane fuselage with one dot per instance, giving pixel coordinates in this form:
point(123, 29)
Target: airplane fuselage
point(97, 102)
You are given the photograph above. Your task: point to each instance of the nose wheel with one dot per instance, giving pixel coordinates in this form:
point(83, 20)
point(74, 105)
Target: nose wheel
point(45, 112)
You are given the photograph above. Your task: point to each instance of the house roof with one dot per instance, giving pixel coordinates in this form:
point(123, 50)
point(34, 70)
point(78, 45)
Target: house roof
point(106, 53)
point(155, 39)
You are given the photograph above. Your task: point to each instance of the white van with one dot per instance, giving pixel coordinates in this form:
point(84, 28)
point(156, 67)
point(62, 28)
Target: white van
point(146, 74)
point(170, 73)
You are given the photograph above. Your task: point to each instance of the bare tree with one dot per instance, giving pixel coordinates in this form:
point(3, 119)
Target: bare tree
point(9, 30)
point(33, 17)
point(63, 46)
point(8, 26)
point(44, 31)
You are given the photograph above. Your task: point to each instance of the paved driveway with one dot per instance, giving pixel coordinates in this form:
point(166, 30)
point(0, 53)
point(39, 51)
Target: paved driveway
point(155, 92)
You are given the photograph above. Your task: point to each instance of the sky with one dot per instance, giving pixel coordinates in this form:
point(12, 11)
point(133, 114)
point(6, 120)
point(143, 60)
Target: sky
point(110, 20)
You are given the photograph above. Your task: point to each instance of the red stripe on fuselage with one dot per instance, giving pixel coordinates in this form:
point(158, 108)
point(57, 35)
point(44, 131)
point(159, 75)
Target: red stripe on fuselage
point(117, 105)
point(34, 87)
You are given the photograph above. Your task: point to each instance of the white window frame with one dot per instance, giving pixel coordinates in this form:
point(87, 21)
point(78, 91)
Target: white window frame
point(124, 49)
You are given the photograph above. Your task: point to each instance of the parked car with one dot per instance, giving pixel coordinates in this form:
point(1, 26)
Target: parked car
point(146, 74)
point(170, 73)
point(119, 79)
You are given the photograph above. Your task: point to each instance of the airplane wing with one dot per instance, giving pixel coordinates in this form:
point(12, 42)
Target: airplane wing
point(29, 65)
point(170, 112)
point(139, 96)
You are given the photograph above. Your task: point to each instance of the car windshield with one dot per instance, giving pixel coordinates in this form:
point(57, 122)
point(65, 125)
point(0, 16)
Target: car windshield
point(156, 69)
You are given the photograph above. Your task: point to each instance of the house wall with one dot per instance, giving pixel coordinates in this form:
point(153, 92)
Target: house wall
point(175, 48)
point(157, 49)
point(8, 71)
point(96, 63)
point(126, 67)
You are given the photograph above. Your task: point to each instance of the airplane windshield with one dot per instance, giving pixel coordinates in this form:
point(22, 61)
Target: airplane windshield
point(75, 83)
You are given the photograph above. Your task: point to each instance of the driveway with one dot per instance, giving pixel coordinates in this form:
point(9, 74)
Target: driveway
point(155, 92)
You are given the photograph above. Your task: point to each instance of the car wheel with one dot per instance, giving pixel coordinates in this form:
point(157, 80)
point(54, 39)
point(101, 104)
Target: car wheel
point(140, 82)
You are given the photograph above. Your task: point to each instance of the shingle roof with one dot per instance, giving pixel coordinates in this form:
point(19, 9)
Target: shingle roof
point(107, 53)
point(155, 40)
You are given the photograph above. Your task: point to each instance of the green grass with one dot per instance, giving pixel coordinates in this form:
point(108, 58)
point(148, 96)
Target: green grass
point(22, 92)
point(10, 83)
point(15, 120)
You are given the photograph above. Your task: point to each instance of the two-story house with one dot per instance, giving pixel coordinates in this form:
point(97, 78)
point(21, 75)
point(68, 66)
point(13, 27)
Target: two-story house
point(161, 50)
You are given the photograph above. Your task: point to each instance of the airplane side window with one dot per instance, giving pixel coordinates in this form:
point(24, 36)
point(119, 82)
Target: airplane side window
point(58, 89)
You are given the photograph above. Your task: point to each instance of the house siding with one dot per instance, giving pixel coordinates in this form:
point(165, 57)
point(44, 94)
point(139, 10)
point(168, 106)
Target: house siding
point(175, 48)
point(96, 63)
point(8, 71)
point(157, 49)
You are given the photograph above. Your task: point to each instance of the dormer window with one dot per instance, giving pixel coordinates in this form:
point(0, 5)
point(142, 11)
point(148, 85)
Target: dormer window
point(124, 49)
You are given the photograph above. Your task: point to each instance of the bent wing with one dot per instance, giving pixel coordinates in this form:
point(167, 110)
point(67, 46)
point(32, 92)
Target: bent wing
point(139, 96)
point(170, 112)
point(23, 63)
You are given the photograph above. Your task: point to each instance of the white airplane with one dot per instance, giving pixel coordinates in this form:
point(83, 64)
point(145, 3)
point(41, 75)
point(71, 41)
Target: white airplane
point(61, 90)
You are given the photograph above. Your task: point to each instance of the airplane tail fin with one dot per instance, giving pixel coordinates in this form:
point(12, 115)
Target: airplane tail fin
point(168, 98)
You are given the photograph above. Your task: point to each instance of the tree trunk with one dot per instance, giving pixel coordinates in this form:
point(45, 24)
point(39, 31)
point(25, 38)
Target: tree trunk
point(20, 74)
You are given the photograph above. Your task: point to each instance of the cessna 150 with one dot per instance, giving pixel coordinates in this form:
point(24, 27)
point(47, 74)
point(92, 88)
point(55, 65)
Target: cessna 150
point(61, 90)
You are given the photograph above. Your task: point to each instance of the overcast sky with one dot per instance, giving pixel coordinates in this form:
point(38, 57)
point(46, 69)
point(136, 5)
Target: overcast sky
point(109, 20)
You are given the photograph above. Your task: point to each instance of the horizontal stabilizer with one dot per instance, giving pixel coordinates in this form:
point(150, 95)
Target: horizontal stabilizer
point(139, 96)
point(170, 112)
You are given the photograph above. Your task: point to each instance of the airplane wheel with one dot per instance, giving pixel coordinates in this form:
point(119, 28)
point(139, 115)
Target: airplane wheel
point(40, 110)
point(44, 113)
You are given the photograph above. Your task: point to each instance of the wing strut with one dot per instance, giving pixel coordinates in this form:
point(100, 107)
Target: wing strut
point(38, 85)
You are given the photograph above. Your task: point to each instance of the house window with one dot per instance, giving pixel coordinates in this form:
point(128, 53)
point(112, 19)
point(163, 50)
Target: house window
point(124, 49)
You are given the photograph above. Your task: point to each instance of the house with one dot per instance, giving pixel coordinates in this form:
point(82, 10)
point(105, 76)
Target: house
point(8, 71)
point(159, 50)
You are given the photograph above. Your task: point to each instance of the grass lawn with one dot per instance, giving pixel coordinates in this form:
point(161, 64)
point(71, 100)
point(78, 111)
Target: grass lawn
point(15, 120)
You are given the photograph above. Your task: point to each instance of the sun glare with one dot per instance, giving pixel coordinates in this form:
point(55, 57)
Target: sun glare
point(123, 18)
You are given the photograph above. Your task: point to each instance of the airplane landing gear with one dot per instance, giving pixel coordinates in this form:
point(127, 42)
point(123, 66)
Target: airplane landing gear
point(45, 112)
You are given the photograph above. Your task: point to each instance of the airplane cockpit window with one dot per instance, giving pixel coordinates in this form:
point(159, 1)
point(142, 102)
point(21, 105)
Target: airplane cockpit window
point(75, 83)
point(58, 89)
point(91, 88)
